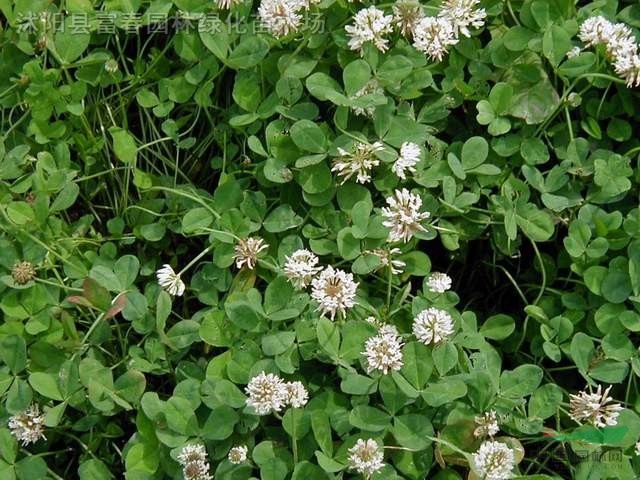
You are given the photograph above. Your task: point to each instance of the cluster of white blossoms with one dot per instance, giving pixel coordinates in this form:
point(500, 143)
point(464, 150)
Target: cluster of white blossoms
point(170, 281)
point(384, 350)
point(439, 282)
point(282, 17)
point(334, 290)
point(269, 393)
point(195, 466)
point(431, 35)
point(370, 25)
point(619, 43)
point(247, 250)
point(435, 35)
point(238, 454)
point(300, 267)
point(407, 160)
point(27, 426)
point(369, 88)
point(360, 162)
point(597, 408)
point(387, 260)
point(433, 326)
point(366, 457)
point(494, 461)
point(403, 216)
point(486, 424)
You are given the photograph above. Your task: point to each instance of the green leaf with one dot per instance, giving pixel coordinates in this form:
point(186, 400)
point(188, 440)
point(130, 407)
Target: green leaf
point(281, 219)
point(521, 381)
point(93, 469)
point(474, 152)
point(536, 224)
point(248, 53)
point(418, 364)
point(46, 384)
point(556, 42)
point(369, 418)
point(13, 351)
point(124, 145)
point(308, 136)
point(196, 219)
point(322, 431)
point(72, 38)
point(328, 336)
point(498, 327)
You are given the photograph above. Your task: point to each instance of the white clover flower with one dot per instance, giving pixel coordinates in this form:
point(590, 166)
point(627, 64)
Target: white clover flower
point(227, 4)
point(596, 408)
point(406, 15)
point(620, 41)
point(300, 267)
point(193, 459)
point(638, 448)
point(370, 25)
point(371, 320)
point(463, 14)
point(196, 471)
point(407, 160)
point(439, 282)
point(494, 461)
point(238, 454)
point(359, 163)
point(366, 457)
point(296, 395)
point(403, 216)
point(574, 52)
point(111, 66)
point(27, 426)
point(628, 68)
point(386, 259)
point(247, 250)
point(334, 290)
point(487, 424)
point(384, 351)
point(280, 17)
point(371, 87)
point(433, 36)
point(267, 393)
point(593, 30)
point(192, 453)
point(433, 326)
point(170, 281)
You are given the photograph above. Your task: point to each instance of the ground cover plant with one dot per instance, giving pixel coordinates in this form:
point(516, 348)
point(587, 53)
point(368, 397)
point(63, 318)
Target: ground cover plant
point(319, 239)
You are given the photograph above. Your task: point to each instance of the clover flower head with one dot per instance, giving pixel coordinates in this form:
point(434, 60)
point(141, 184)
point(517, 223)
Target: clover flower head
point(281, 17)
point(407, 160)
point(433, 326)
point(433, 36)
point(247, 250)
point(494, 461)
point(403, 216)
point(238, 454)
point(296, 395)
point(384, 351)
point(23, 272)
point(334, 290)
point(406, 15)
point(387, 260)
point(358, 163)
point(463, 14)
point(370, 25)
point(439, 282)
point(267, 393)
point(170, 281)
point(597, 408)
point(366, 457)
point(27, 426)
point(486, 424)
point(371, 87)
point(300, 267)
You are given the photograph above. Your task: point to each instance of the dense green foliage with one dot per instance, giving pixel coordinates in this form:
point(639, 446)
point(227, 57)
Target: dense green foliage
point(124, 150)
